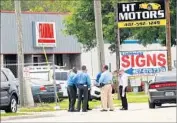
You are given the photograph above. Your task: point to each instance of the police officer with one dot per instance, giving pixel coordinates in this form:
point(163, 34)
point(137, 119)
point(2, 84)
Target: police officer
point(72, 90)
point(83, 84)
point(106, 90)
point(123, 83)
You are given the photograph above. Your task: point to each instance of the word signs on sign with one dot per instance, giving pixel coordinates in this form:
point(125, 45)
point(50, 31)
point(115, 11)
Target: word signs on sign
point(45, 34)
point(141, 14)
point(143, 62)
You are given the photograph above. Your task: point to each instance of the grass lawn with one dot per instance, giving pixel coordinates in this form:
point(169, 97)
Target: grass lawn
point(139, 97)
point(12, 114)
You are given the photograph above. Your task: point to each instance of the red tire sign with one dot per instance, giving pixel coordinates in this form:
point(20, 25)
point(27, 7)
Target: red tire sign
point(143, 62)
point(45, 34)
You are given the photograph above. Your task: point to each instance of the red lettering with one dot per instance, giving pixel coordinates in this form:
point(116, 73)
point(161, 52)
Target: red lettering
point(150, 60)
point(161, 59)
point(46, 31)
point(140, 62)
point(132, 61)
point(126, 62)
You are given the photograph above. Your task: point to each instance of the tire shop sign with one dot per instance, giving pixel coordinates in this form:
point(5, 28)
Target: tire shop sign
point(143, 62)
point(141, 14)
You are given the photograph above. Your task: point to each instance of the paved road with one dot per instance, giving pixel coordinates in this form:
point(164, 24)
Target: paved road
point(136, 113)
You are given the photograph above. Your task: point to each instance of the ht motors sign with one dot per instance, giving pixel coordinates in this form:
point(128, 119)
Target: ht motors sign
point(45, 34)
point(141, 14)
point(143, 62)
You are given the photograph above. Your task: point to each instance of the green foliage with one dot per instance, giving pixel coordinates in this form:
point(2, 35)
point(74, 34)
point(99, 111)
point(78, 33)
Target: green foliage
point(40, 5)
point(81, 24)
point(149, 35)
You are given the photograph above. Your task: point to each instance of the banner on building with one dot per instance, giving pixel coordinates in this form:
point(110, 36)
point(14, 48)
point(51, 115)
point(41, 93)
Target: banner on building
point(141, 14)
point(143, 62)
point(45, 34)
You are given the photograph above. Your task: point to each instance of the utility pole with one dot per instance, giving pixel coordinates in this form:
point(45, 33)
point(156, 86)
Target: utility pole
point(26, 98)
point(168, 34)
point(20, 50)
point(117, 47)
point(99, 33)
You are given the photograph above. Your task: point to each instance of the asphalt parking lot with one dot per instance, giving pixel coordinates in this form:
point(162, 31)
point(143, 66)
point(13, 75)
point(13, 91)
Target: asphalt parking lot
point(136, 113)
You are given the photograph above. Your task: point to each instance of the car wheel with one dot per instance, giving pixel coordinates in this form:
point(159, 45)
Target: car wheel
point(149, 7)
point(159, 104)
point(12, 106)
point(151, 105)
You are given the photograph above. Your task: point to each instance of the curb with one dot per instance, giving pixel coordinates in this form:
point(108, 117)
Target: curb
point(28, 116)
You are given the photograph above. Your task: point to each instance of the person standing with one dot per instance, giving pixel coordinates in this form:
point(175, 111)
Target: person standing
point(106, 90)
point(83, 84)
point(123, 83)
point(72, 90)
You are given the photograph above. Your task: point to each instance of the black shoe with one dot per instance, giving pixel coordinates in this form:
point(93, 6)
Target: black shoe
point(124, 109)
point(84, 110)
point(111, 110)
point(104, 110)
point(89, 109)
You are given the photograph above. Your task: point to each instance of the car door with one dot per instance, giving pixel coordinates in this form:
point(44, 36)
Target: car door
point(5, 86)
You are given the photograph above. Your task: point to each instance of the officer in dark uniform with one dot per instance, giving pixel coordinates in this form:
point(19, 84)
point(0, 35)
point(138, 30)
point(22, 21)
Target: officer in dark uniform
point(72, 90)
point(83, 84)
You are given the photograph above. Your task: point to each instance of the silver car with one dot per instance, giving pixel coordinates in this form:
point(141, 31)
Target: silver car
point(162, 89)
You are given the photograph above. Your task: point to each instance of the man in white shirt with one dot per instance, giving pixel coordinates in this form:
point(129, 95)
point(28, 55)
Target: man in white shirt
point(123, 83)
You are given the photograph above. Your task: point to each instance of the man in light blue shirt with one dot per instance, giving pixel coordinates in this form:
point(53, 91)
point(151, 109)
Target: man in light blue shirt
point(83, 83)
point(72, 90)
point(106, 90)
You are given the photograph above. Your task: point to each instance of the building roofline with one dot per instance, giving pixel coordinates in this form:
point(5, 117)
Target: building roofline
point(28, 12)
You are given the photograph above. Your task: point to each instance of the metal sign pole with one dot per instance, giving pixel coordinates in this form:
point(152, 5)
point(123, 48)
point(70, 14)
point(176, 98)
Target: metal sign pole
point(55, 88)
point(117, 47)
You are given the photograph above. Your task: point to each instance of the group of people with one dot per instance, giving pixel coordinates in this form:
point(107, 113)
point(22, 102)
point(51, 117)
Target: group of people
point(81, 82)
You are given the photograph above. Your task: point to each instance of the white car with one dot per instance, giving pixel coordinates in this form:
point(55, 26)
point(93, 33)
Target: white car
point(95, 90)
point(61, 77)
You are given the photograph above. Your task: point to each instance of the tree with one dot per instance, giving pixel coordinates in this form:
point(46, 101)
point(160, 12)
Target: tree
point(81, 24)
point(40, 5)
point(157, 34)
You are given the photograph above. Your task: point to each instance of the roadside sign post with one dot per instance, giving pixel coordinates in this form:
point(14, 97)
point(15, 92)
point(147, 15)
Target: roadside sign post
point(138, 63)
point(55, 88)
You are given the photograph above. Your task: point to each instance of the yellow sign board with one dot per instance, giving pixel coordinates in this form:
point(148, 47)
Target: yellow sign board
point(128, 24)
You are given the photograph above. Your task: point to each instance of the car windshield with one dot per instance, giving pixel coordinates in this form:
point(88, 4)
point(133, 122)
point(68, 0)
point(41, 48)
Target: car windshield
point(165, 78)
point(61, 76)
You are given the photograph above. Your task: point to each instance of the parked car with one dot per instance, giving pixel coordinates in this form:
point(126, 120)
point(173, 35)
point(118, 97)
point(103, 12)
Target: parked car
point(95, 90)
point(43, 91)
point(162, 89)
point(61, 77)
point(43, 74)
point(9, 91)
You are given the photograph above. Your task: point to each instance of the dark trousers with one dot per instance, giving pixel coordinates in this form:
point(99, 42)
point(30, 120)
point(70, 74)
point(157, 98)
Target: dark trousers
point(89, 96)
point(72, 91)
point(123, 99)
point(82, 92)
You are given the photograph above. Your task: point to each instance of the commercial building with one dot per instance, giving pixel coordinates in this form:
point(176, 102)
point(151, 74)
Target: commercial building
point(42, 32)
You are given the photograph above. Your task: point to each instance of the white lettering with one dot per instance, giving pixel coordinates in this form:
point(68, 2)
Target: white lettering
point(138, 15)
point(126, 7)
point(153, 14)
point(132, 16)
point(161, 14)
point(145, 15)
point(123, 16)
point(133, 7)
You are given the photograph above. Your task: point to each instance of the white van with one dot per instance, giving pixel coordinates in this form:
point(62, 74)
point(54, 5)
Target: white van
point(61, 77)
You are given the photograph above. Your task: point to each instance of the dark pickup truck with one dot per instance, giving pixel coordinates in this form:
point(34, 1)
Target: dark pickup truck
point(9, 91)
